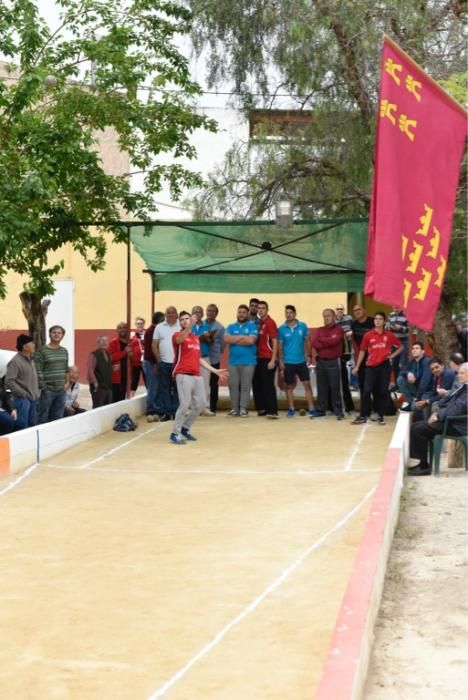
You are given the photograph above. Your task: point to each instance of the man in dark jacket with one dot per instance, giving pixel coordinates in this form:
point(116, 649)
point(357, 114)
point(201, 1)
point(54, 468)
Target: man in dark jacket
point(417, 374)
point(22, 380)
point(99, 373)
point(422, 432)
point(431, 391)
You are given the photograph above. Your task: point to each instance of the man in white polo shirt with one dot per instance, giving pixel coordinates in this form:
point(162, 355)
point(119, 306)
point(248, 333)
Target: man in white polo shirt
point(163, 350)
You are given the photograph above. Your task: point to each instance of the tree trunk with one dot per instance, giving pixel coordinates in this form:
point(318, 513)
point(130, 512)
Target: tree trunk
point(35, 311)
point(443, 338)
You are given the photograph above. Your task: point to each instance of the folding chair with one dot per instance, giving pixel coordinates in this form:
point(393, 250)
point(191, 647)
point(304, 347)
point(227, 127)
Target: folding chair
point(438, 443)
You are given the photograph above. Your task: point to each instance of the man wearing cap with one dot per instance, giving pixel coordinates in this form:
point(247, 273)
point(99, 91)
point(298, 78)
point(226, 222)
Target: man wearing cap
point(21, 379)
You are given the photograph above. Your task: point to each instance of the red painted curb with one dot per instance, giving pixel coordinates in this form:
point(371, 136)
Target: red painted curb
point(345, 666)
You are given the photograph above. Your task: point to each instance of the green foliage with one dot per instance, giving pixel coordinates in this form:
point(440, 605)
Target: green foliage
point(322, 56)
point(52, 178)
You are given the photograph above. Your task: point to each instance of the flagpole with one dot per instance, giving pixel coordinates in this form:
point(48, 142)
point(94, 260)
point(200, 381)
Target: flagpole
point(433, 82)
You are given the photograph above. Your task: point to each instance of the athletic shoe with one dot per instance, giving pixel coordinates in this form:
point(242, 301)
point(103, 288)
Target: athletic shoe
point(359, 420)
point(207, 412)
point(340, 416)
point(243, 413)
point(381, 421)
point(176, 439)
point(272, 415)
point(291, 413)
point(405, 408)
point(261, 414)
point(234, 413)
point(188, 435)
point(316, 413)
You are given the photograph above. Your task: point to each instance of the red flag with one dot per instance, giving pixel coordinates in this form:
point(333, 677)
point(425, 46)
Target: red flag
point(419, 146)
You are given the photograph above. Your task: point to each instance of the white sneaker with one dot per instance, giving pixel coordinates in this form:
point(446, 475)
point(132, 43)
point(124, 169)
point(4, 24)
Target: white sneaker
point(243, 413)
point(207, 412)
point(234, 413)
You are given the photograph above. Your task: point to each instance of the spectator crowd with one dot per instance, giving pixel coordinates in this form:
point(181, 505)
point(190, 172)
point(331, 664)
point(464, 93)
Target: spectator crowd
point(374, 354)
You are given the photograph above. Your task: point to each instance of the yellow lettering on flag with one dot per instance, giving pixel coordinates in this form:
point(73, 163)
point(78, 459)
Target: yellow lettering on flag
point(434, 243)
point(404, 245)
point(414, 257)
point(392, 69)
point(423, 285)
point(406, 125)
point(441, 271)
point(406, 291)
point(386, 110)
point(413, 86)
point(425, 221)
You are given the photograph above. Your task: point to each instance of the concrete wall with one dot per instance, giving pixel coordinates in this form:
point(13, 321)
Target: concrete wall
point(25, 448)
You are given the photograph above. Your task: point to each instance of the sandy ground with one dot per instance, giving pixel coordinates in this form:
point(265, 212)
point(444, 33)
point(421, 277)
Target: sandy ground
point(132, 568)
point(421, 636)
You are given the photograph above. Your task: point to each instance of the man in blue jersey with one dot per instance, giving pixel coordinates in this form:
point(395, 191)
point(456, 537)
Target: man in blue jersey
point(294, 356)
point(241, 338)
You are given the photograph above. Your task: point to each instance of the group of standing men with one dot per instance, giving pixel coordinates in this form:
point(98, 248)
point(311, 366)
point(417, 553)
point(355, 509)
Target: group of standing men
point(257, 348)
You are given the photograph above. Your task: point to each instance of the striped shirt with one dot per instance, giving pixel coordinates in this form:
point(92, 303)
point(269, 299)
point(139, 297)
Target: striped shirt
point(52, 366)
point(398, 318)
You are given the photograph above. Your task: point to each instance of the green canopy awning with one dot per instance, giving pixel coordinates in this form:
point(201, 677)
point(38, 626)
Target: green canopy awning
point(309, 256)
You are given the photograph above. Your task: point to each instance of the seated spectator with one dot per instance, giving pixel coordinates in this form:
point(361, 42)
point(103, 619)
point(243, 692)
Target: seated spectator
point(72, 390)
point(417, 374)
point(453, 403)
point(8, 413)
point(441, 380)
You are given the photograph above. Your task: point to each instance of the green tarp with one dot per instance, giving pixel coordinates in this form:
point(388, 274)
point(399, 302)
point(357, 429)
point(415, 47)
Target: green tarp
point(309, 256)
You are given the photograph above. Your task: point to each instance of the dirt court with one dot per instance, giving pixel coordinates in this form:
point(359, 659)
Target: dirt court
point(421, 636)
point(133, 568)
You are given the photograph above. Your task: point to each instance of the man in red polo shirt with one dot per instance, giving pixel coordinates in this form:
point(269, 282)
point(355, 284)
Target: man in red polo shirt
point(379, 345)
point(190, 384)
point(328, 342)
point(263, 385)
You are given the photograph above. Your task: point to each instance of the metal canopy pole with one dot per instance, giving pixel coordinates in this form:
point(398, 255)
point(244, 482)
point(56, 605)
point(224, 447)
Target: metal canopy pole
point(129, 313)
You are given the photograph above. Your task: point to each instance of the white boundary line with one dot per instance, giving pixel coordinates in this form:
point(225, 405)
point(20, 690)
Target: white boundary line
point(256, 601)
point(185, 472)
point(33, 467)
point(21, 478)
point(356, 448)
point(116, 449)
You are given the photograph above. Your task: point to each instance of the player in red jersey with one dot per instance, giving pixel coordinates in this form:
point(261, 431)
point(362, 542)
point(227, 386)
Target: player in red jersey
point(190, 384)
point(382, 346)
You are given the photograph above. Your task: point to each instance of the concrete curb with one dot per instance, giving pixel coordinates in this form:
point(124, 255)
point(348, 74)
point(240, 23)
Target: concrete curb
point(345, 668)
point(33, 445)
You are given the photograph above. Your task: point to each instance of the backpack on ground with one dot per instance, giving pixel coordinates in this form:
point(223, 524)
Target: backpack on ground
point(124, 424)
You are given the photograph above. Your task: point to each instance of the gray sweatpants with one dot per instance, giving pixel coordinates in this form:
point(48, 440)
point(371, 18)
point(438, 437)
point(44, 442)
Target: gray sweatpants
point(191, 392)
point(240, 383)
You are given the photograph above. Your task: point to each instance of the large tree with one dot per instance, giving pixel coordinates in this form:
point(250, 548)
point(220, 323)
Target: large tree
point(321, 57)
point(61, 88)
